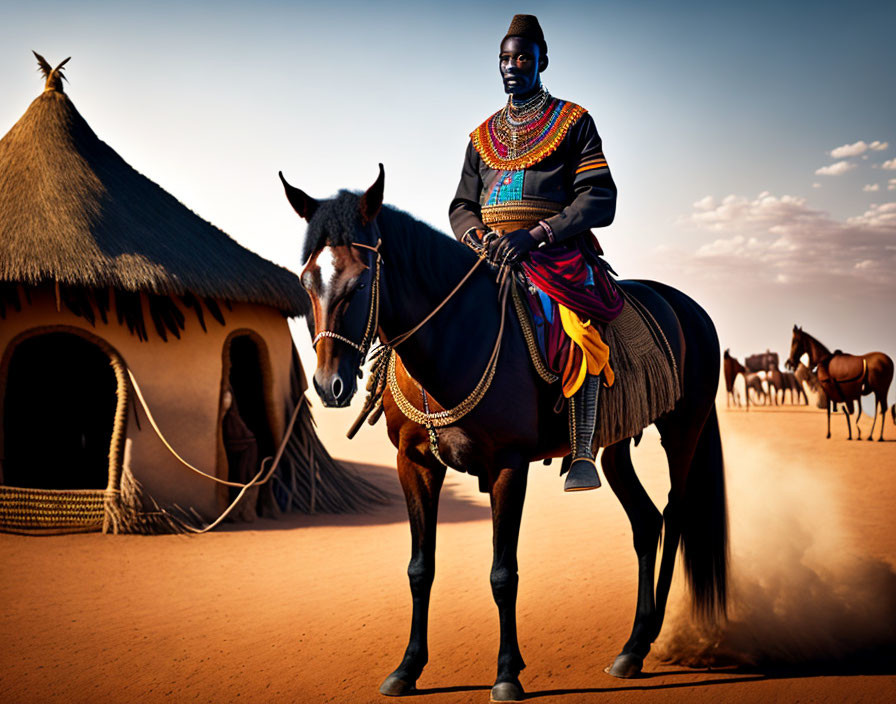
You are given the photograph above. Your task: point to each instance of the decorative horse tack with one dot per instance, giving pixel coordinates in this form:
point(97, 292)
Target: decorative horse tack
point(386, 359)
point(498, 445)
point(373, 313)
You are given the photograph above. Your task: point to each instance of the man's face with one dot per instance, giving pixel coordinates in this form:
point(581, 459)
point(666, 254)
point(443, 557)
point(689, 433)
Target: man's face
point(520, 64)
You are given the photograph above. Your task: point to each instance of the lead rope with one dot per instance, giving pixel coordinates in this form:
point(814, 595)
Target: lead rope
point(255, 481)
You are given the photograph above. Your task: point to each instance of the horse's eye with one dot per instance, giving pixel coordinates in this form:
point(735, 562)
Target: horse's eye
point(360, 286)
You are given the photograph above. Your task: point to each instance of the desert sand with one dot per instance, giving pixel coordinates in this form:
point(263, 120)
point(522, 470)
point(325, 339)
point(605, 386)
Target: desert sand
point(317, 608)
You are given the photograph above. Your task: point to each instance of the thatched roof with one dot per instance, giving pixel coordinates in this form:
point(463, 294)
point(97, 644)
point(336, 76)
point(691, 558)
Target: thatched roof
point(72, 211)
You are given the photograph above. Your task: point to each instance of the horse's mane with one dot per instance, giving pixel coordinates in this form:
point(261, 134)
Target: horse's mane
point(409, 241)
point(816, 341)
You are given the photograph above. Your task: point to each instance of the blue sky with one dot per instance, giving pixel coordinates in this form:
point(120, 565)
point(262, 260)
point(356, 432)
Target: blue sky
point(715, 119)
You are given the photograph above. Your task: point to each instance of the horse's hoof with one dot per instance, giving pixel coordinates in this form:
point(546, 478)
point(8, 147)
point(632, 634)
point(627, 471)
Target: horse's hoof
point(396, 687)
point(507, 692)
point(625, 666)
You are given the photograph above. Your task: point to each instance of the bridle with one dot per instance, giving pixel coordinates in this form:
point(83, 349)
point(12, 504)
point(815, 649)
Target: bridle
point(382, 373)
point(373, 311)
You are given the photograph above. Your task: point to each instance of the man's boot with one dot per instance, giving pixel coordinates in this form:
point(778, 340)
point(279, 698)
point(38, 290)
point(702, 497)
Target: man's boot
point(582, 473)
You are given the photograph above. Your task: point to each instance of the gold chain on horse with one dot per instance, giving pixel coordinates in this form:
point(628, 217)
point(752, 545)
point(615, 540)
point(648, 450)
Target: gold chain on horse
point(382, 355)
point(546, 374)
point(452, 415)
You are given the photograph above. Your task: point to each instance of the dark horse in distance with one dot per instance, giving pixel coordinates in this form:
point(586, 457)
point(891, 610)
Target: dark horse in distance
point(732, 368)
point(845, 378)
point(368, 262)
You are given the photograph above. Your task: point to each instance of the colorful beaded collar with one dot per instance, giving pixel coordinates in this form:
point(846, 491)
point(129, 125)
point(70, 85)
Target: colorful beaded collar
point(543, 135)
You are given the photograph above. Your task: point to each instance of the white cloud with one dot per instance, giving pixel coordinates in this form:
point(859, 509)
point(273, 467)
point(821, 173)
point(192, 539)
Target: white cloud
point(871, 187)
point(840, 167)
point(849, 150)
point(891, 184)
point(707, 203)
point(816, 185)
point(857, 148)
point(889, 165)
point(783, 241)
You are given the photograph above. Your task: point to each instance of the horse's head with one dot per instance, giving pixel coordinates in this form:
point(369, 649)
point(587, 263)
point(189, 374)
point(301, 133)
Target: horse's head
point(341, 277)
point(797, 348)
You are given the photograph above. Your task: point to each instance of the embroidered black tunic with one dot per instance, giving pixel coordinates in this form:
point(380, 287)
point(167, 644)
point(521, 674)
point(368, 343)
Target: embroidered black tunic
point(571, 174)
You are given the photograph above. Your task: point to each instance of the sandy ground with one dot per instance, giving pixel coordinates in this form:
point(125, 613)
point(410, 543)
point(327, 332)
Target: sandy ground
point(317, 608)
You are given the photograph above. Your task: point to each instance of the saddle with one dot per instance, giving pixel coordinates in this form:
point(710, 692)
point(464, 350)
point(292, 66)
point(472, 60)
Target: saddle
point(843, 377)
point(647, 374)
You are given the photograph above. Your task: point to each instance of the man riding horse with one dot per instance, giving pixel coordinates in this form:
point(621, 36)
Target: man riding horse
point(534, 181)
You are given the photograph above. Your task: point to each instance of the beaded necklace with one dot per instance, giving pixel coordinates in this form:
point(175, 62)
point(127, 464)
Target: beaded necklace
point(523, 133)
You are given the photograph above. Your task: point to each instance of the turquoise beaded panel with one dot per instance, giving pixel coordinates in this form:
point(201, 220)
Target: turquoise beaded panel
point(507, 187)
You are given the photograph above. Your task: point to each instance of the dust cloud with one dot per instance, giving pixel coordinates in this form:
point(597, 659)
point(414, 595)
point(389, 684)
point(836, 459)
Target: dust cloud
point(801, 591)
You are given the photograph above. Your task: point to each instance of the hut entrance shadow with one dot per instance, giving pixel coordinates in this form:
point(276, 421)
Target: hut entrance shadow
point(58, 413)
point(248, 378)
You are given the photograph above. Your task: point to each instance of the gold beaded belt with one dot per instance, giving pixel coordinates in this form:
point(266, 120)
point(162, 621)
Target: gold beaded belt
point(517, 214)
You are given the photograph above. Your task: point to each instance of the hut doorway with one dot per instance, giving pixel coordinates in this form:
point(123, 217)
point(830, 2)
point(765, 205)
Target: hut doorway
point(59, 412)
point(248, 375)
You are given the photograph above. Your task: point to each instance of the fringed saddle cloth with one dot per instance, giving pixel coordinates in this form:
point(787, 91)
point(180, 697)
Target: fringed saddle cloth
point(647, 383)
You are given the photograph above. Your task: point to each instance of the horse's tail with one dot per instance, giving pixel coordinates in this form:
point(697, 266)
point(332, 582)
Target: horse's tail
point(705, 525)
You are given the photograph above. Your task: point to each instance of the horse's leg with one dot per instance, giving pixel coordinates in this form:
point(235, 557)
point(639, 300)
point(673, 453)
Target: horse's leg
point(421, 484)
point(859, 415)
point(847, 413)
point(879, 401)
point(508, 491)
point(829, 419)
point(647, 525)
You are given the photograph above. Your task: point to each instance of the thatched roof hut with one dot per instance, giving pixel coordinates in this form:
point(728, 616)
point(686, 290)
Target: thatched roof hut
point(106, 278)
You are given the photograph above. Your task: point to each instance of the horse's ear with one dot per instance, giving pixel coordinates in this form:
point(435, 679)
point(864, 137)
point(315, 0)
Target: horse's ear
point(301, 202)
point(372, 200)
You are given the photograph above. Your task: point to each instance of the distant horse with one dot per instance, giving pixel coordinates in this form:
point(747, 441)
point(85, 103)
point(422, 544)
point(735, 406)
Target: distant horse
point(784, 382)
point(732, 368)
point(775, 382)
point(792, 384)
point(762, 362)
point(846, 378)
point(753, 380)
point(372, 270)
point(805, 377)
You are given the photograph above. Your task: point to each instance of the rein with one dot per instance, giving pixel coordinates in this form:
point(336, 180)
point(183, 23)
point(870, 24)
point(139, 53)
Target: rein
point(382, 372)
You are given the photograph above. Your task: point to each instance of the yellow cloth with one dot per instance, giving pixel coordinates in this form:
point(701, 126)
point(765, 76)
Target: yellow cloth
point(595, 356)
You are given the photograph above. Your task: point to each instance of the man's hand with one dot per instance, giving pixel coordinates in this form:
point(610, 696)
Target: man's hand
point(473, 239)
point(512, 247)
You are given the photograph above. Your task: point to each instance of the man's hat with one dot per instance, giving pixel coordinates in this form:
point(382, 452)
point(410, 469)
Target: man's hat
point(527, 26)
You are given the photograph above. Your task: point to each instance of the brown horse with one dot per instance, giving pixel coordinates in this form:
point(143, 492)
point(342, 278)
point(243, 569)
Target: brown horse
point(790, 383)
point(753, 381)
point(372, 270)
point(775, 382)
point(846, 377)
point(732, 368)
